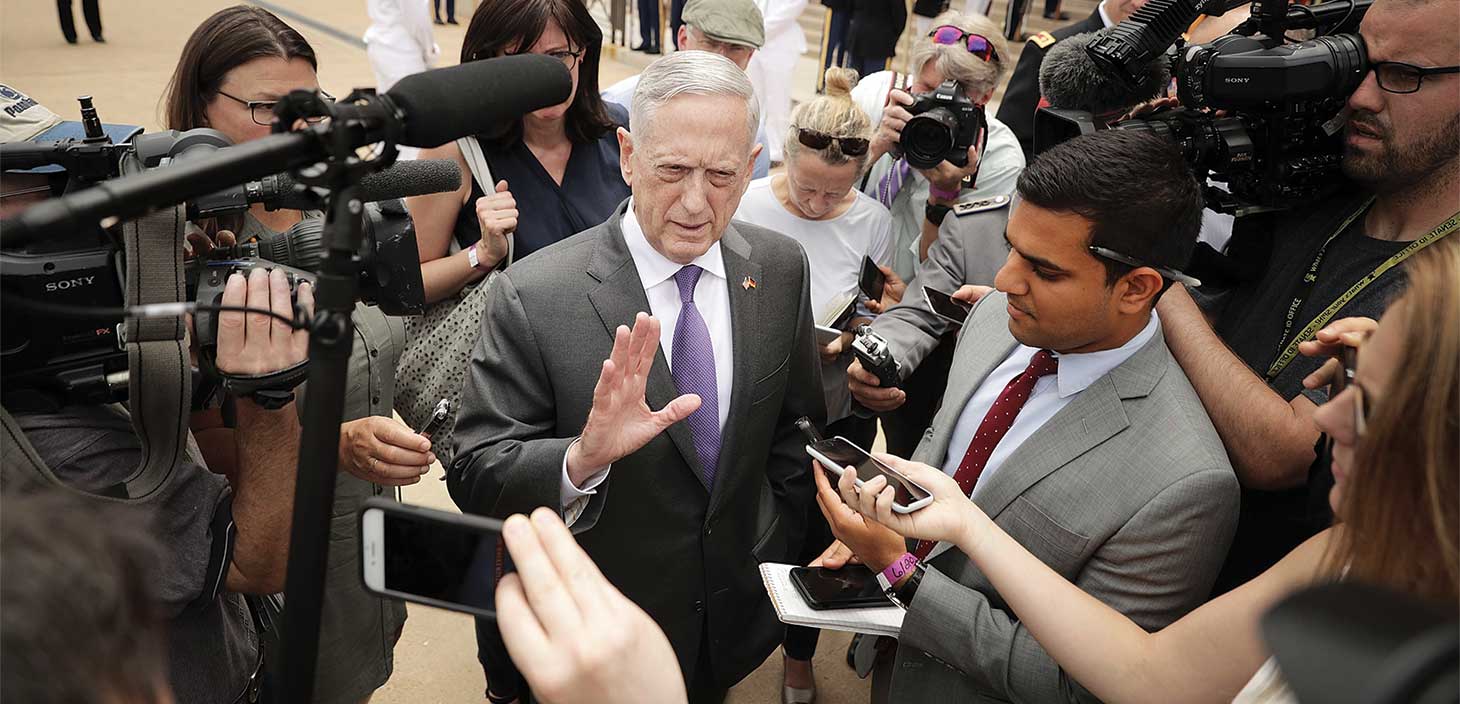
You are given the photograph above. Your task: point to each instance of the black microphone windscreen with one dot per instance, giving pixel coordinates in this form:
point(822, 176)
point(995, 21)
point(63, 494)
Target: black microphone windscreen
point(1071, 80)
point(445, 104)
point(402, 180)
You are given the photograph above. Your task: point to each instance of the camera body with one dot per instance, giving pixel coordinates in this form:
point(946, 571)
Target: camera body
point(944, 125)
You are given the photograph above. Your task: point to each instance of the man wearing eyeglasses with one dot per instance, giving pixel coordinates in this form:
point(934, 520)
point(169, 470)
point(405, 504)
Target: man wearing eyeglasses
point(1068, 422)
point(1337, 258)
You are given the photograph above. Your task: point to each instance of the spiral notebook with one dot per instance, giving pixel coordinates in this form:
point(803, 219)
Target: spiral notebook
point(792, 608)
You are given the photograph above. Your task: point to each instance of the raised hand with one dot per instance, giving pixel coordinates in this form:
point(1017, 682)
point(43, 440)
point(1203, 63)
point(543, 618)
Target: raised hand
point(497, 216)
point(951, 516)
point(621, 421)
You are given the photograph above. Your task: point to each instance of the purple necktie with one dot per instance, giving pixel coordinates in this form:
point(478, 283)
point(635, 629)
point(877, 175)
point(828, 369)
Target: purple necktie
point(694, 372)
point(891, 182)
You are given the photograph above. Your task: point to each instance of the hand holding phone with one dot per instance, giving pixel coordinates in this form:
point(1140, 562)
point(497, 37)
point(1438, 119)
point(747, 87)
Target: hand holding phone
point(836, 454)
point(945, 306)
point(873, 282)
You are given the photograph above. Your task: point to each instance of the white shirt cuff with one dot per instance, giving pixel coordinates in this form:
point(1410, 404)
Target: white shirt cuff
point(573, 499)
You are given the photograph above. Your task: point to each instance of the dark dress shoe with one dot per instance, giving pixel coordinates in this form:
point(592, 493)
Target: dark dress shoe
point(1060, 16)
point(451, 20)
point(98, 39)
point(437, 21)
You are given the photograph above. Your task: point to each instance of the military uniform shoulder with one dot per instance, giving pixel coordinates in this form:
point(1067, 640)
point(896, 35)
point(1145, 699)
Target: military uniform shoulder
point(1043, 40)
point(981, 205)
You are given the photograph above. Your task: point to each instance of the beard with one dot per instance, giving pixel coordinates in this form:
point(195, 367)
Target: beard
point(1391, 166)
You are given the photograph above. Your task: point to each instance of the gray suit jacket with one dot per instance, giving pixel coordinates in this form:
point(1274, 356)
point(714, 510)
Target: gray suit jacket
point(686, 553)
point(1126, 492)
point(969, 250)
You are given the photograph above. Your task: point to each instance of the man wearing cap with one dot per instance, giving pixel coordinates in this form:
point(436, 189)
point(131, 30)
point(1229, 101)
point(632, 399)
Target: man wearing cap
point(733, 29)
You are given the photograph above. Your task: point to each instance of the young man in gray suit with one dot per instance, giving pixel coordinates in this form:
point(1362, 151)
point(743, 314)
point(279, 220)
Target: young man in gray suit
point(558, 407)
point(1069, 423)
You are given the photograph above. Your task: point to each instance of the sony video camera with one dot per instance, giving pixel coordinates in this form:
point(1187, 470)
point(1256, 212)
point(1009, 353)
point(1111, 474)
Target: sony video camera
point(1279, 138)
point(944, 125)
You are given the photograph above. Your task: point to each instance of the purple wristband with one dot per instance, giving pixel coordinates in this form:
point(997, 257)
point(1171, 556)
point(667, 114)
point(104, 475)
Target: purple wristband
point(900, 568)
point(945, 195)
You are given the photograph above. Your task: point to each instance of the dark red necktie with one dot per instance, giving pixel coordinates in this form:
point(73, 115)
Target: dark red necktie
point(995, 426)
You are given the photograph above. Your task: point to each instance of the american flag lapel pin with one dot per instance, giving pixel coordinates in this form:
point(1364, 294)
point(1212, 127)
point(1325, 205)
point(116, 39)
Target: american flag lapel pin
point(748, 283)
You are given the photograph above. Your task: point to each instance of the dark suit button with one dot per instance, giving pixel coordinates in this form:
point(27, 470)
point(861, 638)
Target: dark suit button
point(707, 530)
point(699, 606)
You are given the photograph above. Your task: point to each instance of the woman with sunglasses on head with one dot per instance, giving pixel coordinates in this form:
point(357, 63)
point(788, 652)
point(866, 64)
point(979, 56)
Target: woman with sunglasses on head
point(815, 202)
point(554, 172)
point(1396, 496)
point(233, 69)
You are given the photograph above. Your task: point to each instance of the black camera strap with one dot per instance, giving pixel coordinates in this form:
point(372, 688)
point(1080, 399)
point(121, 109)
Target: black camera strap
point(1288, 348)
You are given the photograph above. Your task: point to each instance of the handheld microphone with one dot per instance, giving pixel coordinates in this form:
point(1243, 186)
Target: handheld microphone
point(1070, 79)
point(427, 109)
point(282, 192)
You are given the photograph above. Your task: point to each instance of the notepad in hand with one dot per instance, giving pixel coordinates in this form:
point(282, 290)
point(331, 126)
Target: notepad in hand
point(792, 608)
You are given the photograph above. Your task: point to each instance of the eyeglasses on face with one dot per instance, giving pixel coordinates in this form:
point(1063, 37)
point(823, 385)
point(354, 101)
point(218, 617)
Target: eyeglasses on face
point(1346, 380)
point(1171, 274)
point(850, 146)
point(1402, 78)
point(569, 57)
point(262, 111)
point(977, 44)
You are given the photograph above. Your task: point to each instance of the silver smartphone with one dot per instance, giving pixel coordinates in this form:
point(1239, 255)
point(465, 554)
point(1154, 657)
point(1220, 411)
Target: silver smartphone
point(835, 454)
point(441, 559)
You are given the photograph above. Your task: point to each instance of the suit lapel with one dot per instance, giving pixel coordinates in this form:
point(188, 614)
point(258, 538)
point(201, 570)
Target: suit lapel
point(982, 346)
point(617, 299)
point(744, 322)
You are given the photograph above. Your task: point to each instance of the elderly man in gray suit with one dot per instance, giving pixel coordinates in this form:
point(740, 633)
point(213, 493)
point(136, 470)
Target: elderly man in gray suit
point(558, 407)
point(1069, 423)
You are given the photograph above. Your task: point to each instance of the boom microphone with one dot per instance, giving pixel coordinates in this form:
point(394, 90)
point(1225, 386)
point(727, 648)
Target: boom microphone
point(448, 103)
point(282, 192)
point(1069, 79)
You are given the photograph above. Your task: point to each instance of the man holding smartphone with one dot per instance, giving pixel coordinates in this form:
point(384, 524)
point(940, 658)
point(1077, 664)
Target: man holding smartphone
point(1068, 421)
point(665, 306)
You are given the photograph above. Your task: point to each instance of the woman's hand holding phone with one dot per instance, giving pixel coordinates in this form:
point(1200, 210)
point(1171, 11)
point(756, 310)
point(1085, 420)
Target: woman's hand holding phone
point(951, 516)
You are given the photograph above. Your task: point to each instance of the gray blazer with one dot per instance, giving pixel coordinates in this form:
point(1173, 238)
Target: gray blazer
point(969, 250)
point(685, 553)
point(1126, 492)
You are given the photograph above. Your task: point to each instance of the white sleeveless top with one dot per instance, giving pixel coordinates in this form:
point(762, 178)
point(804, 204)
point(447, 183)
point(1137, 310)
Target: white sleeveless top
point(1266, 687)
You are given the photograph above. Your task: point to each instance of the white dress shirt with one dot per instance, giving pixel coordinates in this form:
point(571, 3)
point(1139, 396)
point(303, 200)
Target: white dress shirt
point(712, 299)
point(1051, 394)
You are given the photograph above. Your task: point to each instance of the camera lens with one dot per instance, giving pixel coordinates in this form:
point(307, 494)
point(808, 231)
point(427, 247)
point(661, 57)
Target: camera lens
point(928, 137)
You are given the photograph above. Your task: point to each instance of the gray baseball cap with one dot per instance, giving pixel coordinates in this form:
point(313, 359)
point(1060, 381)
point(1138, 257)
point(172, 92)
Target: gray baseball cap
point(729, 21)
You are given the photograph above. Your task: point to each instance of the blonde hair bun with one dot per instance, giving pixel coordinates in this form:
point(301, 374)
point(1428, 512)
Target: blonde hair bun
point(840, 82)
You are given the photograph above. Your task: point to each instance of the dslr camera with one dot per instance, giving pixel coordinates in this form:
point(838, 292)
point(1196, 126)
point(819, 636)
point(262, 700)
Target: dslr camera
point(944, 125)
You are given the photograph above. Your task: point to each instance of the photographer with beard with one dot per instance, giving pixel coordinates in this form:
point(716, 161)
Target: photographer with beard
point(1338, 258)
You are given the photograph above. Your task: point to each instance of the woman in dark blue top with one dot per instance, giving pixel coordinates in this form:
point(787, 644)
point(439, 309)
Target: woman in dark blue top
point(556, 170)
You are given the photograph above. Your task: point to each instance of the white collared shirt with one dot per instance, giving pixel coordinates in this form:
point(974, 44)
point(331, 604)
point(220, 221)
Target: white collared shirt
point(712, 299)
point(1051, 394)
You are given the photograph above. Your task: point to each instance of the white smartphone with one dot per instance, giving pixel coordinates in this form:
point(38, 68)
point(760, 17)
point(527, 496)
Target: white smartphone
point(835, 454)
point(446, 560)
point(824, 335)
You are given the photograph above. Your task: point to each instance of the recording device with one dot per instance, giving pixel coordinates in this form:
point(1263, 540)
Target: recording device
point(945, 123)
point(946, 306)
point(838, 453)
point(446, 560)
point(873, 282)
point(851, 587)
point(439, 416)
point(1069, 80)
point(1280, 140)
point(872, 351)
point(282, 191)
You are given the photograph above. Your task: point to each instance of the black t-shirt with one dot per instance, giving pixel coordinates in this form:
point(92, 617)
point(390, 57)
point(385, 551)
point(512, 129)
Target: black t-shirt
point(212, 644)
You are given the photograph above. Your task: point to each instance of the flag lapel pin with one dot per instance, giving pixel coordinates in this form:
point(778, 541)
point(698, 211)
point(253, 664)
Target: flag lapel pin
point(748, 283)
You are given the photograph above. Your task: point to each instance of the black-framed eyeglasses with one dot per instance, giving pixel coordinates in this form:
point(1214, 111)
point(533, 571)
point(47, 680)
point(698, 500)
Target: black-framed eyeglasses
point(1346, 380)
point(815, 139)
point(1399, 77)
point(1171, 274)
point(569, 57)
point(262, 111)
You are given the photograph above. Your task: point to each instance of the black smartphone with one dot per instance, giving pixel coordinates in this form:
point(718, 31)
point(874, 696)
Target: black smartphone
point(838, 452)
point(873, 281)
point(446, 560)
point(946, 306)
point(437, 419)
point(850, 587)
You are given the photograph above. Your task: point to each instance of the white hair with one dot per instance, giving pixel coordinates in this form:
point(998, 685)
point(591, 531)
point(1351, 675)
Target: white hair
point(690, 73)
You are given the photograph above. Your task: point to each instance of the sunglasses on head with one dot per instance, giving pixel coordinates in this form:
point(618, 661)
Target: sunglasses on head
point(977, 44)
point(850, 146)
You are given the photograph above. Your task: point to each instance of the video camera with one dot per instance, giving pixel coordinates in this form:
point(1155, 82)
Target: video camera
point(80, 358)
point(944, 125)
point(1278, 140)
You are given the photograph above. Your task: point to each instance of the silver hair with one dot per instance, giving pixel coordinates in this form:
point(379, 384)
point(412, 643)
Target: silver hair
point(690, 73)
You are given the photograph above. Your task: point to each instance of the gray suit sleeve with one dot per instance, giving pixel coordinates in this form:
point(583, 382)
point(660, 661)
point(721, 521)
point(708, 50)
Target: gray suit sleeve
point(508, 458)
point(1156, 568)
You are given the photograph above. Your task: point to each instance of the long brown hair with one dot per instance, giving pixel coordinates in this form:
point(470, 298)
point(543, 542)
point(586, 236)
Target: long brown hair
point(230, 38)
point(503, 27)
point(1400, 513)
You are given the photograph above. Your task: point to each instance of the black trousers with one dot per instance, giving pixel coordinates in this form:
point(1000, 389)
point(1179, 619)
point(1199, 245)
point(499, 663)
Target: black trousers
point(450, 10)
point(89, 8)
point(800, 641)
point(648, 23)
point(676, 9)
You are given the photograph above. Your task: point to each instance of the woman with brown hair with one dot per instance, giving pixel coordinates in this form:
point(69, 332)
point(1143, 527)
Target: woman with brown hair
point(233, 69)
point(558, 167)
point(1396, 467)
